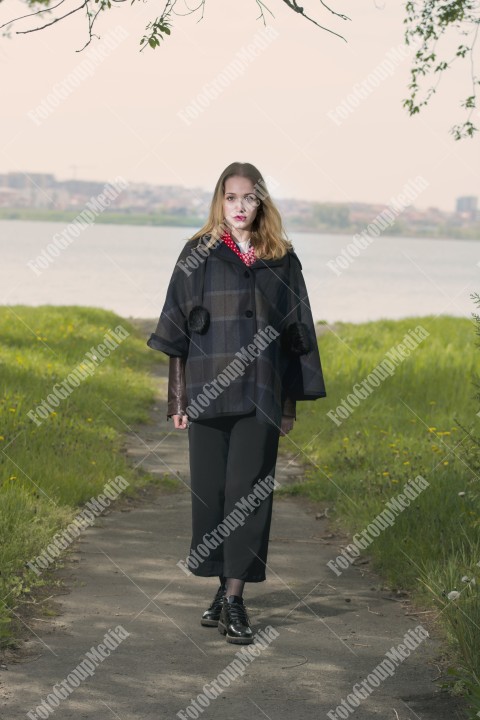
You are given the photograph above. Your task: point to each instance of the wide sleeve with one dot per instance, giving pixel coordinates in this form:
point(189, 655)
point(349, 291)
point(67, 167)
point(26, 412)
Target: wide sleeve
point(303, 378)
point(172, 335)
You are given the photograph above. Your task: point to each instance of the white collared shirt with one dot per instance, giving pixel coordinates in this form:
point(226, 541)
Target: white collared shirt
point(243, 245)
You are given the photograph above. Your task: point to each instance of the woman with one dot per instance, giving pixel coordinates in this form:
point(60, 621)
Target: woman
point(239, 333)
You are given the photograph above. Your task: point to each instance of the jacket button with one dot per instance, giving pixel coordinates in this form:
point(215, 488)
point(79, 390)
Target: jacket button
point(246, 273)
point(248, 313)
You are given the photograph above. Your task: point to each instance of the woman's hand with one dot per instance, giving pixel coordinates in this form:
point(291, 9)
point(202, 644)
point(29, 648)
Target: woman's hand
point(287, 424)
point(180, 422)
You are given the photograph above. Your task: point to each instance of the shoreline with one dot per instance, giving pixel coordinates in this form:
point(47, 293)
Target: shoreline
point(157, 220)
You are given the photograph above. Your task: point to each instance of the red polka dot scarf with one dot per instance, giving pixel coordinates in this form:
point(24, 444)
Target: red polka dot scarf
point(248, 257)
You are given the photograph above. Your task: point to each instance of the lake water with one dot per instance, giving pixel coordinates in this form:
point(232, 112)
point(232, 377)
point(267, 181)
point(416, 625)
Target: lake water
point(127, 269)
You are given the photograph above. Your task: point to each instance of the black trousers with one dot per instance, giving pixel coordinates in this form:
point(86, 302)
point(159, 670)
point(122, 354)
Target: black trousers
point(231, 457)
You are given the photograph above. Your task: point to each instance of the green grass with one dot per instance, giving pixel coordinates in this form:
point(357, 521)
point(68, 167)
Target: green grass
point(408, 426)
point(47, 471)
point(108, 217)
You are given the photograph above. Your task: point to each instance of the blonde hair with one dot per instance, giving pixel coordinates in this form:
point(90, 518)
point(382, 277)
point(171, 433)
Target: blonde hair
point(268, 235)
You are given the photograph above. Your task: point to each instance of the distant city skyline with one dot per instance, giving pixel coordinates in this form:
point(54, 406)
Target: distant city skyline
point(456, 204)
point(43, 196)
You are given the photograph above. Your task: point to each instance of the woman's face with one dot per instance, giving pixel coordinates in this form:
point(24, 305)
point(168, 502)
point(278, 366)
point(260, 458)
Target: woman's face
point(240, 204)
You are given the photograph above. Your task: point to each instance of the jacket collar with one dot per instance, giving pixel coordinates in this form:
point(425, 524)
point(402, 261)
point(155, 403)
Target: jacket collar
point(223, 252)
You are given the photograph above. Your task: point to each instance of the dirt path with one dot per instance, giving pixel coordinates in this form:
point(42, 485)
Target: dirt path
point(329, 632)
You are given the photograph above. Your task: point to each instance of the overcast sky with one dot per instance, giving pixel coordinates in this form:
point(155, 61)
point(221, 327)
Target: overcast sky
point(278, 113)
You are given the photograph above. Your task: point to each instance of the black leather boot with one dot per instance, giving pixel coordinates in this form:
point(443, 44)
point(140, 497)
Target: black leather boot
point(234, 622)
point(210, 617)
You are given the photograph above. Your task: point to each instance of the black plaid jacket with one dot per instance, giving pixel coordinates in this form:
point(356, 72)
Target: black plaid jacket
point(246, 333)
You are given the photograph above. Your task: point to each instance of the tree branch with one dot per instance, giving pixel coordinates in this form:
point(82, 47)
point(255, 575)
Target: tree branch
point(262, 5)
point(91, 20)
point(340, 15)
point(42, 27)
point(37, 12)
point(430, 23)
point(292, 4)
